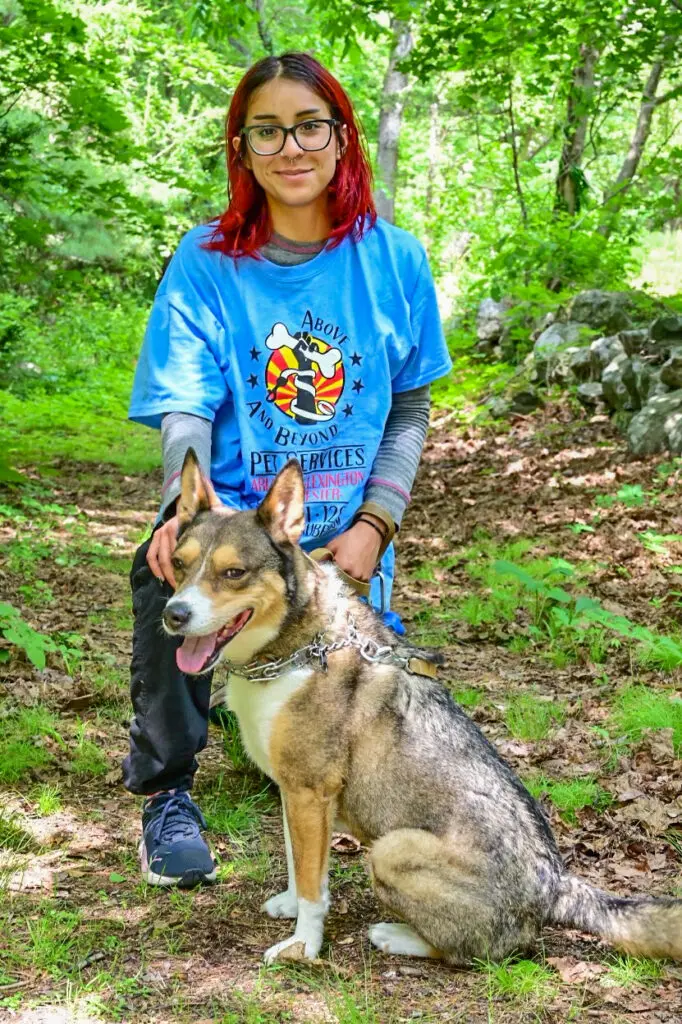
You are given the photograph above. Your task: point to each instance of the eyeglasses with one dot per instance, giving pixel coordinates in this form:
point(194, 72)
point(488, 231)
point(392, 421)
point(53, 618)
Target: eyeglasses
point(270, 139)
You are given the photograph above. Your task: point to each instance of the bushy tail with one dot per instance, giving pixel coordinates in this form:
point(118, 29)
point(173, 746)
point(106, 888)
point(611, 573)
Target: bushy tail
point(644, 926)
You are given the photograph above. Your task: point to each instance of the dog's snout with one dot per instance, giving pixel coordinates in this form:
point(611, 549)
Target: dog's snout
point(176, 615)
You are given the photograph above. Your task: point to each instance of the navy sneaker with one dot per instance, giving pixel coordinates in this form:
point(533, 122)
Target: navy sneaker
point(172, 849)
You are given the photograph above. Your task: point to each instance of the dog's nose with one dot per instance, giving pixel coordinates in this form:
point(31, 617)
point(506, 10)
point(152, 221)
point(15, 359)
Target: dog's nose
point(176, 615)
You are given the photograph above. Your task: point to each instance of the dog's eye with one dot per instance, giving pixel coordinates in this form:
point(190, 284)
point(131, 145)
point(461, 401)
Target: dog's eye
point(233, 574)
point(177, 563)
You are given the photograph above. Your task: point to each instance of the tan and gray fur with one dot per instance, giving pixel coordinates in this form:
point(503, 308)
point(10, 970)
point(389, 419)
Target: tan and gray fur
point(460, 852)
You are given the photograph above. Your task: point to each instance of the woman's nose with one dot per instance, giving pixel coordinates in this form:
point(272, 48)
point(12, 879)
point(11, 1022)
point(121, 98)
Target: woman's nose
point(291, 146)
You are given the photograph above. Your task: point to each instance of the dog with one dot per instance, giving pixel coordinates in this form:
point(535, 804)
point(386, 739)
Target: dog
point(329, 708)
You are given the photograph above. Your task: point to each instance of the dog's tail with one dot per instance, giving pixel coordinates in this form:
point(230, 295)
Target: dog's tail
point(641, 925)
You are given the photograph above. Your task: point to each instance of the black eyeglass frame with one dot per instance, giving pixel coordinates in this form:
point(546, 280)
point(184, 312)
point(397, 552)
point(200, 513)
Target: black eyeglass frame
point(333, 122)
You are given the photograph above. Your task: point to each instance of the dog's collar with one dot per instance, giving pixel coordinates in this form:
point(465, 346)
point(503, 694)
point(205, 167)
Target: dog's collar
point(264, 670)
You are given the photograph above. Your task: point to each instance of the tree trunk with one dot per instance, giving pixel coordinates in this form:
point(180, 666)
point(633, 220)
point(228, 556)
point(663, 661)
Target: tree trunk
point(614, 197)
point(263, 29)
point(570, 177)
point(395, 85)
point(432, 173)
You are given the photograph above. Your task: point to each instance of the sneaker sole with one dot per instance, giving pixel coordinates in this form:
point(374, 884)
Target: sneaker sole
point(188, 880)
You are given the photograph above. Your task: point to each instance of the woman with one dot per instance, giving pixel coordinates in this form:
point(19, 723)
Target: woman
point(297, 325)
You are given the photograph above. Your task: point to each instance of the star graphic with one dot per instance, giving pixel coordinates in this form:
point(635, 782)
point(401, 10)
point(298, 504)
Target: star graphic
point(356, 359)
point(255, 352)
point(348, 411)
point(358, 386)
point(253, 380)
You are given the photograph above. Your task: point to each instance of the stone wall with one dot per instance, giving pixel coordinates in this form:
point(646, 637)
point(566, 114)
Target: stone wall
point(600, 346)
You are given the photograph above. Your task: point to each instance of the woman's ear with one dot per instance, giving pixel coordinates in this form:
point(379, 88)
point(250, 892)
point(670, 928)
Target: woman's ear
point(342, 141)
point(237, 147)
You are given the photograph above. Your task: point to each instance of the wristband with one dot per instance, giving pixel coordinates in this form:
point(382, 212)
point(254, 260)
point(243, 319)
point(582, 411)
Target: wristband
point(361, 519)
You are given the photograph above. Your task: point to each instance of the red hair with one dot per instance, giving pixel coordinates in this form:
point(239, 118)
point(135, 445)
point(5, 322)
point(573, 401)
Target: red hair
point(245, 226)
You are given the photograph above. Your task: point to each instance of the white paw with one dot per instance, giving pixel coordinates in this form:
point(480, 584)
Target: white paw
point(293, 948)
point(399, 939)
point(284, 904)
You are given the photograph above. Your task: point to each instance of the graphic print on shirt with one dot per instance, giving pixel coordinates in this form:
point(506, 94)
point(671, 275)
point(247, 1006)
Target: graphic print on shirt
point(304, 379)
point(304, 376)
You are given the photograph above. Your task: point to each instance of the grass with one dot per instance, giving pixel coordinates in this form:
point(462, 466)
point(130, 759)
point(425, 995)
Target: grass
point(639, 707)
point(528, 717)
point(234, 812)
point(13, 836)
point(20, 749)
point(569, 796)
point(468, 697)
point(627, 970)
point(521, 980)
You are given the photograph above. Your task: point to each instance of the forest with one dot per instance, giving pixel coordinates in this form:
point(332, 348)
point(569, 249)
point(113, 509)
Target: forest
point(535, 150)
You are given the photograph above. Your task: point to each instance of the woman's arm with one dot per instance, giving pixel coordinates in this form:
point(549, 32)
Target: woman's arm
point(179, 431)
point(387, 495)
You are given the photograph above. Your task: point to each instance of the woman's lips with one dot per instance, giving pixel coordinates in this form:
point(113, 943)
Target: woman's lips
point(293, 174)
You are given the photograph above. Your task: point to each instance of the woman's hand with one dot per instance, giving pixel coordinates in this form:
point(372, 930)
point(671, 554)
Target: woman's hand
point(161, 551)
point(357, 550)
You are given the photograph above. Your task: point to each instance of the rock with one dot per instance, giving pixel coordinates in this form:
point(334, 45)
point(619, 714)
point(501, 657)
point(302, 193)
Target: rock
point(667, 329)
point(30, 369)
point(673, 430)
point(634, 342)
point(657, 425)
point(647, 380)
point(551, 346)
point(498, 408)
point(603, 351)
point(671, 371)
point(590, 394)
point(607, 311)
point(524, 402)
point(580, 363)
point(545, 321)
point(618, 383)
point(490, 321)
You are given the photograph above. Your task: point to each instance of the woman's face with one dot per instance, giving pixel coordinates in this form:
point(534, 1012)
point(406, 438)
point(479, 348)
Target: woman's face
point(293, 177)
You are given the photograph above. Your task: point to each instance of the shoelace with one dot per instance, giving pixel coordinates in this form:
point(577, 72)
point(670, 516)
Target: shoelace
point(179, 819)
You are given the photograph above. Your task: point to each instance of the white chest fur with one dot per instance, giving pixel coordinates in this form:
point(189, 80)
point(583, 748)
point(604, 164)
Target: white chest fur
point(256, 706)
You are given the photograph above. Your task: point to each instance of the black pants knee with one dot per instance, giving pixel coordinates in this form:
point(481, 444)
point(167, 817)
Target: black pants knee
point(170, 709)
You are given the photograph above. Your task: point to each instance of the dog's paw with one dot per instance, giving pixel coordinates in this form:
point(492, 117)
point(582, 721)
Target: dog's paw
point(400, 939)
point(293, 948)
point(284, 904)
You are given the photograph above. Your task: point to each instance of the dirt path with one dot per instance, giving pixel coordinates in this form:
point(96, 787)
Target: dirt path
point(83, 939)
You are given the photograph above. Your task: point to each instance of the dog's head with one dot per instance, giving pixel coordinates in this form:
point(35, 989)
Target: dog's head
point(236, 572)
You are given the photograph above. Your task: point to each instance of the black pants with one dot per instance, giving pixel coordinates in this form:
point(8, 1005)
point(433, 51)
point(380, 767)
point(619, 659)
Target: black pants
point(170, 710)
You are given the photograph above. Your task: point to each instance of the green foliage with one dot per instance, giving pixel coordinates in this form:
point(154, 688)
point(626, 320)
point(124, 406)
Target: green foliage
point(35, 645)
point(575, 621)
point(630, 495)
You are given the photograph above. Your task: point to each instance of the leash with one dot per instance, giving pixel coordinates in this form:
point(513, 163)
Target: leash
point(264, 670)
point(360, 587)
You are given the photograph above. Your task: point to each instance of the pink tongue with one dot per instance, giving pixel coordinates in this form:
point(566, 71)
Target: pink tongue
point(195, 652)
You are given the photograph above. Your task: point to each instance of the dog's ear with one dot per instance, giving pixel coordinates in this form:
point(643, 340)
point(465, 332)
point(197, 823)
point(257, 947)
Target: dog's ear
point(196, 494)
point(281, 511)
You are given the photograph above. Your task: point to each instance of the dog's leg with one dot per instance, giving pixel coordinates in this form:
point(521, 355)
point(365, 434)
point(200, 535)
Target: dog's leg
point(285, 904)
point(309, 815)
point(444, 889)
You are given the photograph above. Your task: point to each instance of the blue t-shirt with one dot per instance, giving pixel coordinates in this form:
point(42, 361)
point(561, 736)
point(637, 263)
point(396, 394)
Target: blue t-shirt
point(292, 361)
